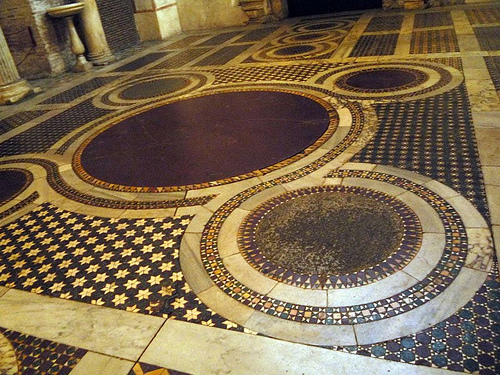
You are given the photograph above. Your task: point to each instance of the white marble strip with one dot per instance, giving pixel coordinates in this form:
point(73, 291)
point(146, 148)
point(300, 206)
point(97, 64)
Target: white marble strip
point(104, 330)
point(202, 350)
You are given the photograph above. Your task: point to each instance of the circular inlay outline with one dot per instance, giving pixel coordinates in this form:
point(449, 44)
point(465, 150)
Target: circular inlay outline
point(337, 24)
point(112, 98)
point(441, 78)
point(302, 37)
point(82, 174)
point(319, 49)
point(407, 249)
point(29, 180)
point(420, 78)
point(235, 301)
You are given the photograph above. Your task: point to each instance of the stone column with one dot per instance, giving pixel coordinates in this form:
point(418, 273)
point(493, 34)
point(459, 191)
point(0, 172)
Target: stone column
point(12, 87)
point(280, 8)
point(93, 32)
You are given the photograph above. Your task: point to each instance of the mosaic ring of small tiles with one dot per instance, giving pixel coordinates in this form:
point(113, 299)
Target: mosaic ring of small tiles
point(395, 80)
point(350, 235)
point(433, 284)
point(152, 88)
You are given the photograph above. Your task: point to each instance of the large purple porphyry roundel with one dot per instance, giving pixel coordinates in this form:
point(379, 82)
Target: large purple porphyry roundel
point(205, 138)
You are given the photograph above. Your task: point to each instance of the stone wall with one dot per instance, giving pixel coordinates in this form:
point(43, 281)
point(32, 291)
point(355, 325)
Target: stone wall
point(210, 14)
point(117, 18)
point(39, 45)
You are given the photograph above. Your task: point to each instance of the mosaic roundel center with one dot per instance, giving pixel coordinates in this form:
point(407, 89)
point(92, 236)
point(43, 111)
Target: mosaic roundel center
point(383, 79)
point(321, 237)
point(329, 233)
point(204, 139)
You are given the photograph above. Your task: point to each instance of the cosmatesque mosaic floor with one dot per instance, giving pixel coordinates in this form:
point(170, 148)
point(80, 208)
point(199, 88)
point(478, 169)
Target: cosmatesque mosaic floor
point(318, 195)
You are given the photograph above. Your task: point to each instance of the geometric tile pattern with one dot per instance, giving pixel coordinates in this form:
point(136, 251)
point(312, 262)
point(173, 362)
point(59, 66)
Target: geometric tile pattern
point(446, 153)
point(223, 56)
point(37, 356)
point(408, 247)
point(295, 73)
point(434, 41)
point(493, 64)
point(79, 90)
point(115, 263)
point(141, 62)
point(18, 119)
point(389, 23)
point(127, 264)
point(181, 58)
point(375, 45)
point(468, 341)
point(256, 35)
point(145, 369)
point(488, 37)
point(432, 20)
point(483, 16)
point(220, 38)
point(437, 280)
point(42, 136)
point(184, 42)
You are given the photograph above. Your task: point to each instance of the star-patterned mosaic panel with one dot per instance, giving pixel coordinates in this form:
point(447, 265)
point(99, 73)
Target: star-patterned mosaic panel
point(36, 356)
point(127, 264)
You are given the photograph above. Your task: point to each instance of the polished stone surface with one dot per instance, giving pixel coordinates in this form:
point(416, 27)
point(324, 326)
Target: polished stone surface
point(329, 233)
point(12, 182)
point(235, 133)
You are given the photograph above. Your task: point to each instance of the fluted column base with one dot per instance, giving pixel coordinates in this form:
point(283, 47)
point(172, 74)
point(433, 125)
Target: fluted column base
point(15, 91)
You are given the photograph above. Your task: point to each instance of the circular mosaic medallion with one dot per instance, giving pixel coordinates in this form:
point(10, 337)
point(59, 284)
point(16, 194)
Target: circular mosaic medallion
point(311, 26)
point(205, 140)
point(390, 81)
point(296, 51)
point(405, 297)
point(321, 234)
point(154, 88)
point(147, 88)
point(382, 79)
point(12, 183)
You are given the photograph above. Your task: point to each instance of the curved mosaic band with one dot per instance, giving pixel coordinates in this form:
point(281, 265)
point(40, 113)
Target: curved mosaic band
point(57, 183)
point(425, 290)
point(430, 79)
point(406, 251)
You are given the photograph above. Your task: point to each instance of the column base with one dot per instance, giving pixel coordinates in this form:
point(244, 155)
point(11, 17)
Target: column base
point(13, 92)
point(104, 58)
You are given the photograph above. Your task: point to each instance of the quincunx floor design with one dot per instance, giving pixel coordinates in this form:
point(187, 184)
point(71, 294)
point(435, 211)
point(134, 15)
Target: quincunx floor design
point(323, 190)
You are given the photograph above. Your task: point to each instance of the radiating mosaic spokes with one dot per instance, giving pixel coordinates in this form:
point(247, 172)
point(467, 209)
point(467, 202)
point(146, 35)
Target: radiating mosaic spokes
point(429, 79)
point(408, 246)
point(314, 96)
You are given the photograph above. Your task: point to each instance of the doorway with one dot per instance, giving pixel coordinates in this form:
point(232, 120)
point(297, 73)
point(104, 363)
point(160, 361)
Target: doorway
point(299, 8)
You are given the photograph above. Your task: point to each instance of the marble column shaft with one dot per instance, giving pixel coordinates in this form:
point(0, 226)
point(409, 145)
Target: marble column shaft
point(97, 45)
point(12, 87)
